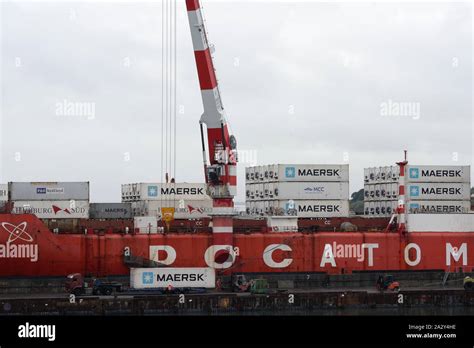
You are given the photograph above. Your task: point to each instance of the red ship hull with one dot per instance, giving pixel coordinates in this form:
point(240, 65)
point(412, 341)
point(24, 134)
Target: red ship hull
point(29, 249)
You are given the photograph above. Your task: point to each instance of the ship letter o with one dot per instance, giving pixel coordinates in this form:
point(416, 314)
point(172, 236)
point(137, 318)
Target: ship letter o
point(209, 256)
point(407, 256)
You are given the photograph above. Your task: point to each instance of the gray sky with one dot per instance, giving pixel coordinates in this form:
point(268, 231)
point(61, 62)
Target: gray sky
point(301, 83)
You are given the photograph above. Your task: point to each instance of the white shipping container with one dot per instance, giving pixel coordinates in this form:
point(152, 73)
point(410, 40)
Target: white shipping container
point(183, 209)
point(438, 174)
point(316, 209)
point(49, 191)
point(440, 223)
point(161, 278)
point(439, 207)
point(438, 191)
point(155, 192)
point(297, 173)
point(3, 192)
point(53, 209)
point(146, 224)
point(311, 190)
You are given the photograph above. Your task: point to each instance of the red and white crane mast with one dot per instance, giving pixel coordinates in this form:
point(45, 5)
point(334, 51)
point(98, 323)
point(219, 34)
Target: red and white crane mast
point(221, 167)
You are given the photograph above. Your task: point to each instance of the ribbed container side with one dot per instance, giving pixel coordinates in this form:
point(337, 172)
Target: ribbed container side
point(452, 174)
point(49, 191)
point(110, 211)
point(53, 209)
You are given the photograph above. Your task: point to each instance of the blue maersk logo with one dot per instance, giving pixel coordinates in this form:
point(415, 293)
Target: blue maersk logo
point(147, 278)
point(414, 191)
point(414, 206)
point(414, 173)
point(290, 172)
point(152, 191)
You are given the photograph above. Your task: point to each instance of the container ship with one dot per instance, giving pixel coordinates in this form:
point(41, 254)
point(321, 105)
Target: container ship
point(296, 218)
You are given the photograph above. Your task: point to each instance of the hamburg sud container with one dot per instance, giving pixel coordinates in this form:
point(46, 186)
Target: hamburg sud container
point(53, 209)
point(313, 172)
point(455, 174)
point(159, 278)
point(439, 207)
point(49, 191)
point(184, 209)
point(110, 211)
point(155, 192)
point(311, 190)
point(315, 209)
point(439, 191)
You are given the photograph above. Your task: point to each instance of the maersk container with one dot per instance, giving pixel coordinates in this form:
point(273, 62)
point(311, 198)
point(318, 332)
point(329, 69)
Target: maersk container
point(438, 191)
point(49, 191)
point(53, 209)
point(155, 191)
point(439, 207)
point(451, 174)
point(311, 190)
point(315, 209)
point(314, 172)
point(110, 211)
point(3, 192)
point(178, 278)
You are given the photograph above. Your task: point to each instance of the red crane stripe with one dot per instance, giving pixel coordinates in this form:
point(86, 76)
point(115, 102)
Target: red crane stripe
point(207, 75)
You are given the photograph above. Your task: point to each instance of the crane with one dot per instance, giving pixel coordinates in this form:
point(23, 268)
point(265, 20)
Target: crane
point(220, 169)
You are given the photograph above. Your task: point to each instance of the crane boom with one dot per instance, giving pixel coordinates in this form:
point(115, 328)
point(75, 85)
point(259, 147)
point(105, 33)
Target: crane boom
point(221, 167)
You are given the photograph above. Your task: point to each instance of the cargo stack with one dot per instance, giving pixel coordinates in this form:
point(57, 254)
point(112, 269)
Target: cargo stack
point(189, 200)
point(429, 189)
point(381, 191)
point(50, 200)
point(438, 189)
point(306, 191)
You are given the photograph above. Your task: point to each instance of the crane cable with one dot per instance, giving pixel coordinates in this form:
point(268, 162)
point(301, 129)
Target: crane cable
point(169, 93)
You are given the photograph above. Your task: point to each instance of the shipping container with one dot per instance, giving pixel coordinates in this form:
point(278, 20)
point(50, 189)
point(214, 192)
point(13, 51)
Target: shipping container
point(110, 211)
point(439, 207)
point(311, 190)
point(451, 174)
point(146, 224)
point(314, 209)
point(156, 192)
point(3, 192)
point(297, 173)
point(162, 278)
point(53, 209)
point(454, 223)
point(191, 209)
point(438, 191)
point(49, 191)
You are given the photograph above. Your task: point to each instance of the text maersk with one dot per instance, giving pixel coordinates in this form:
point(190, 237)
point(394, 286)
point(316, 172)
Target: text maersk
point(442, 173)
point(438, 208)
point(182, 191)
point(319, 208)
point(319, 172)
point(441, 191)
point(180, 277)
